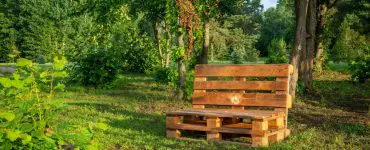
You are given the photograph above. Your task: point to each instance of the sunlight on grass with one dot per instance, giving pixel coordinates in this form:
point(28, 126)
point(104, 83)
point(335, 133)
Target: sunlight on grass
point(135, 112)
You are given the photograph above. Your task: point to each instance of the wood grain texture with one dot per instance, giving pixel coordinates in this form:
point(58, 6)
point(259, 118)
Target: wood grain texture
point(268, 70)
point(255, 114)
point(241, 99)
point(241, 85)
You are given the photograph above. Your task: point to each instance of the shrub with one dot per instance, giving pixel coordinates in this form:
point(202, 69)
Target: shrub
point(28, 108)
point(26, 112)
point(360, 69)
point(98, 68)
point(277, 53)
point(237, 53)
point(167, 75)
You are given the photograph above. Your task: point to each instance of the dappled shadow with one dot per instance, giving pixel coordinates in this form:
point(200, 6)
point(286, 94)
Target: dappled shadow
point(330, 119)
point(341, 94)
point(145, 129)
point(143, 122)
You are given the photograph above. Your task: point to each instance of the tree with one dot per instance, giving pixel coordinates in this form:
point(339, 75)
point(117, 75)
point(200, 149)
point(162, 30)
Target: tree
point(208, 9)
point(299, 43)
point(278, 23)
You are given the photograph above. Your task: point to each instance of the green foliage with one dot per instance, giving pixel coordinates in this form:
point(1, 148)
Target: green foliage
point(350, 43)
point(277, 52)
point(230, 42)
point(277, 23)
point(97, 68)
point(7, 38)
point(134, 51)
point(168, 75)
point(26, 116)
point(361, 69)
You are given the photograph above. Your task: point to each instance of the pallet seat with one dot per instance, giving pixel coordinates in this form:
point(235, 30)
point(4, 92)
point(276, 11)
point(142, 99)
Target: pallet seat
point(244, 101)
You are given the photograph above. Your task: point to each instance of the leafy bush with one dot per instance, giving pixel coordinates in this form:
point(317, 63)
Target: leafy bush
point(28, 108)
point(26, 116)
point(360, 69)
point(167, 75)
point(277, 53)
point(135, 51)
point(98, 68)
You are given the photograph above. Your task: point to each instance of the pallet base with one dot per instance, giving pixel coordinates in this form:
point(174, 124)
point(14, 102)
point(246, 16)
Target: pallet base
point(260, 132)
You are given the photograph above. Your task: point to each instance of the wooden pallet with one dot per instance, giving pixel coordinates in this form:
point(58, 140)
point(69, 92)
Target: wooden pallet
point(262, 126)
point(240, 96)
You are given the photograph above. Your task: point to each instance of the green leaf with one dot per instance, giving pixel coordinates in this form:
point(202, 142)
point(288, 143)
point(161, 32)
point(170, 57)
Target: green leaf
point(59, 62)
point(60, 74)
point(26, 138)
point(26, 127)
point(23, 62)
point(5, 82)
point(44, 74)
point(13, 135)
point(39, 134)
point(60, 87)
point(16, 76)
point(8, 116)
point(102, 126)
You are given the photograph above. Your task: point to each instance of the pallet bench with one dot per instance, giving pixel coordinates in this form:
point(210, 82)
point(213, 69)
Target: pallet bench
point(249, 102)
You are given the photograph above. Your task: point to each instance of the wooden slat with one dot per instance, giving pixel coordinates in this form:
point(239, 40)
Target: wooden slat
point(193, 127)
point(241, 85)
point(282, 70)
point(241, 99)
point(253, 114)
point(199, 79)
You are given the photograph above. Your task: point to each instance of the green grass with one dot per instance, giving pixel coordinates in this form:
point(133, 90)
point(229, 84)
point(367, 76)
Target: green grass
point(135, 112)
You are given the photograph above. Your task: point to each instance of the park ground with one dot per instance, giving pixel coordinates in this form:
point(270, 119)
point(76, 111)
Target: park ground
point(336, 116)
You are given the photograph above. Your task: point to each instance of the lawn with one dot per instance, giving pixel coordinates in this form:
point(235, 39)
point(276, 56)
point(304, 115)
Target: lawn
point(336, 117)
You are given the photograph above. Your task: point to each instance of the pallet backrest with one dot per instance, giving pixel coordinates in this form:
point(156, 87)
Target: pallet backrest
point(242, 86)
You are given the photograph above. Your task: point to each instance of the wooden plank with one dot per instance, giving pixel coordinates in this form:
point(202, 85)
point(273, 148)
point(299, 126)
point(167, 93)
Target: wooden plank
point(241, 99)
point(172, 120)
point(213, 123)
point(260, 141)
point(277, 123)
point(241, 85)
point(173, 133)
point(194, 127)
point(259, 125)
point(199, 79)
point(239, 125)
point(270, 70)
point(230, 113)
point(278, 136)
point(221, 141)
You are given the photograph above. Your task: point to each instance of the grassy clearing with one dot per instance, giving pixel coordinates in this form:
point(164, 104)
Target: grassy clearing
point(135, 111)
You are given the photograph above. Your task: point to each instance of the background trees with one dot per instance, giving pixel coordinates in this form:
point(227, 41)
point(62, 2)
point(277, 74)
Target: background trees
point(147, 36)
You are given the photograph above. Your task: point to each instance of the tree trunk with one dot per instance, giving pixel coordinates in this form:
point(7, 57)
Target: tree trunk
point(319, 58)
point(157, 37)
point(204, 55)
point(319, 53)
point(310, 45)
point(299, 43)
point(168, 46)
point(182, 70)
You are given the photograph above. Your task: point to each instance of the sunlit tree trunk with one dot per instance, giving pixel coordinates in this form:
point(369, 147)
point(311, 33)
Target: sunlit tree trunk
point(204, 55)
point(168, 46)
point(299, 43)
point(319, 53)
point(310, 45)
point(181, 70)
point(157, 37)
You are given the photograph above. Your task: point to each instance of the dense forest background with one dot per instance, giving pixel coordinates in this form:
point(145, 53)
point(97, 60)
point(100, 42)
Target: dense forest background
point(167, 38)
